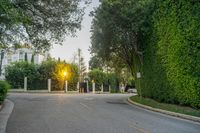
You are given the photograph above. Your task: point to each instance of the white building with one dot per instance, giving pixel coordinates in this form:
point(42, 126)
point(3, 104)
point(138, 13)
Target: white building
point(17, 55)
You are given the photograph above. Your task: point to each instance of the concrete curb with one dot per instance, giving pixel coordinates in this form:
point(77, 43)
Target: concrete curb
point(183, 116)
point(5, 114)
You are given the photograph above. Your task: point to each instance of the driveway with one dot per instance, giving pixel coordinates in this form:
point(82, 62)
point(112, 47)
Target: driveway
point(88, 113)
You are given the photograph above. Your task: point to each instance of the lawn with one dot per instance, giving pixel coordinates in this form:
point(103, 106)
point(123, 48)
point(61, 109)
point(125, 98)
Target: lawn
point(165, 106)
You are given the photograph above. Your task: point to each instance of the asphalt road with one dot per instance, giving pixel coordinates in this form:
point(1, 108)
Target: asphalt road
point(88, 113)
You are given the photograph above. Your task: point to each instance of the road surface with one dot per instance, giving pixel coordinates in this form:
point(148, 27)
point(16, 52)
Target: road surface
point(88, 113)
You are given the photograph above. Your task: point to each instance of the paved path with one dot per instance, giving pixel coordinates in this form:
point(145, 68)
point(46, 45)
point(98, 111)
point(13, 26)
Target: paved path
point(61, 113)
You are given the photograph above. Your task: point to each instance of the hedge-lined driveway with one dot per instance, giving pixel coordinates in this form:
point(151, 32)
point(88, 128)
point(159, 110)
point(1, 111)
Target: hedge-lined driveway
point(89, 113)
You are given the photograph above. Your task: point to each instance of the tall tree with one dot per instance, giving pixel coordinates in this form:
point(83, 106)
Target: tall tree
point(26, 57)
point(117, 31)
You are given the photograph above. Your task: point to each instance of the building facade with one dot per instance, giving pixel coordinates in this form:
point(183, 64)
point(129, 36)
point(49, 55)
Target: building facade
point(11, 55)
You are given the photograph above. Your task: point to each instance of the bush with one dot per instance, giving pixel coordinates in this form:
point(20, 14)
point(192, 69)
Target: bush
point(101, 77)
point(4, 86)
point(16, 72)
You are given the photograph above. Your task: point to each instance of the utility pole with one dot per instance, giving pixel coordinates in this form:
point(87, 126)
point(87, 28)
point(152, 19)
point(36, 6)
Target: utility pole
point(79, 63)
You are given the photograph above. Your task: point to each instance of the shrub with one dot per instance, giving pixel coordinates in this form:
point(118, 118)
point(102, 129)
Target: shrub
point(4, 86)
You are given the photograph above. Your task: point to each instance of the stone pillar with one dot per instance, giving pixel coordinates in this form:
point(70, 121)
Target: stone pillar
point(93, 87)
point(109, 89)
point(66, 86)
point(102, 88)
point(49, 85)
point(25, 84)
point(78, 87)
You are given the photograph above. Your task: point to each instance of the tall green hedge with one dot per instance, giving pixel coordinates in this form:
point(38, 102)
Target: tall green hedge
point(171, 69)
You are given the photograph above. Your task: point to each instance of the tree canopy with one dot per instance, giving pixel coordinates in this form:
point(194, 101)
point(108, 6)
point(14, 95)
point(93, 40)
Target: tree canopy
point(39, 22)
point(117, 31)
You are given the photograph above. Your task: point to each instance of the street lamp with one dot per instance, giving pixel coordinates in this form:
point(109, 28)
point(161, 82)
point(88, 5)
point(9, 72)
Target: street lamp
point(65, 73)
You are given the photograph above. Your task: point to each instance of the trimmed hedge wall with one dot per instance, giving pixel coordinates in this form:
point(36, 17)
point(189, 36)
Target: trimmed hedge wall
point(38, 75)
point(171, 70)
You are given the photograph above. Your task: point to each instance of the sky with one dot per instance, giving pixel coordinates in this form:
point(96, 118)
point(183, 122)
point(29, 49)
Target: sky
point(82, 41)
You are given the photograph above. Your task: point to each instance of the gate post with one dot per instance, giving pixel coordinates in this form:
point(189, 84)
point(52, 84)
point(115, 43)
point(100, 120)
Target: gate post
point(102, 88)
point(25, 84)
point(49, 85)
point(66, 86)
point(78, 86)
point(109, 89)
point(93, 87)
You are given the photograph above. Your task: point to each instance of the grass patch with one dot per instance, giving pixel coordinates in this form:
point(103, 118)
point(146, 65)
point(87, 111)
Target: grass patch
point(165, 106)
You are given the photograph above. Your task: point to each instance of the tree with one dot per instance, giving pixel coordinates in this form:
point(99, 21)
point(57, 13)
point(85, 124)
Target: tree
point(26, 57)
point(32, 58)
point(118, 33)
point(95, 63)
point(39, 22)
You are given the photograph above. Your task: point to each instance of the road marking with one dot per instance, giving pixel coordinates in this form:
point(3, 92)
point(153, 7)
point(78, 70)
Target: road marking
point(139, 128)
point(89, 98)
point(85, 105)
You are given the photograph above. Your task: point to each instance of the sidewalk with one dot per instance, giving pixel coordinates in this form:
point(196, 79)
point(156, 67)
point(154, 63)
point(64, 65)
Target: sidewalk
point(183, 116)
point(5, 114)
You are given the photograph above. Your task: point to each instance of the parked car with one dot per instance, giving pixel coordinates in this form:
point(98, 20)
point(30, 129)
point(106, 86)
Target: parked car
point(132, 90)
point(129, 87)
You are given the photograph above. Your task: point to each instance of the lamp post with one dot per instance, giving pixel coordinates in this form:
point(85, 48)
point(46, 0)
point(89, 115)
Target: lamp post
point(65, 82)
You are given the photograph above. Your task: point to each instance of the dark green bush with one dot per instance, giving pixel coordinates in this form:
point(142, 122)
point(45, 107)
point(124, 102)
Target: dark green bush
point(4, 86)
point(16, 72)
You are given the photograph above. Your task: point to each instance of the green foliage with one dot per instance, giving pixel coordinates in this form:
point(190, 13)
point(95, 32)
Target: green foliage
point(16, 72)
point(100, 77)
point(56, 73)
point(161, 39)
point(38, 75)
point(118, 31)
point(4, 87)
point(172, 53)
point(40, 22)
point(95, 63)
